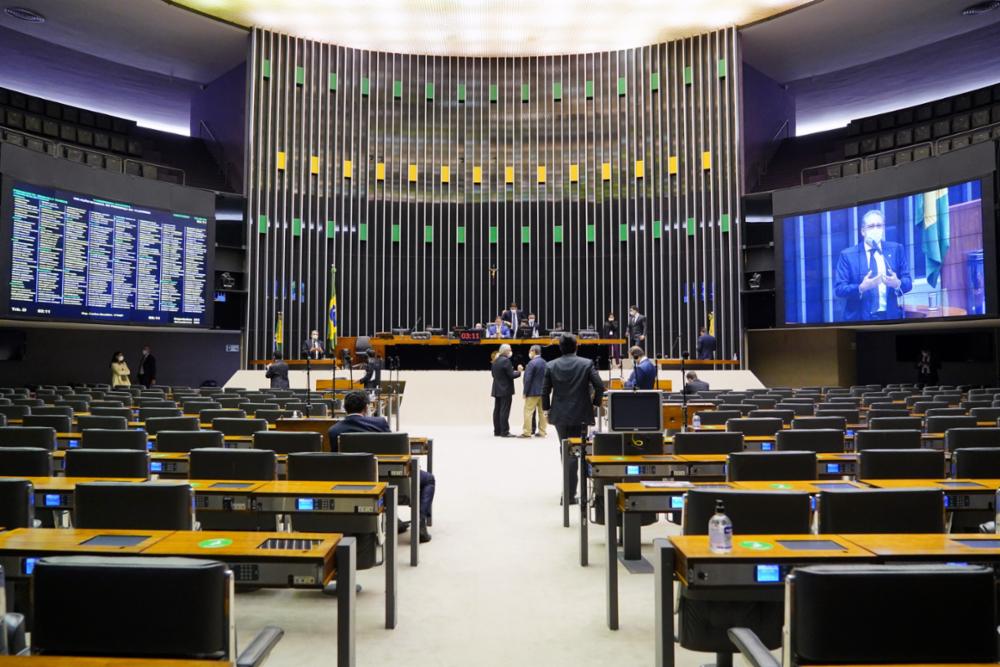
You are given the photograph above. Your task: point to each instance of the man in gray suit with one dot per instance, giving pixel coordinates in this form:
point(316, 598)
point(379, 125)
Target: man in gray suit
point(571, 389)
point(277, 372)
point(534, 376)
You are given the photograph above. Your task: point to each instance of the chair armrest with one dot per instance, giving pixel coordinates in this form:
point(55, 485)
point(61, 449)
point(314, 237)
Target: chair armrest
point(261, 646)
point(752, 649)
point(988, 527)
point(13, 629)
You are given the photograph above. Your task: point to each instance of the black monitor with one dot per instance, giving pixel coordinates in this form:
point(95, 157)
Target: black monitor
point(639, 411)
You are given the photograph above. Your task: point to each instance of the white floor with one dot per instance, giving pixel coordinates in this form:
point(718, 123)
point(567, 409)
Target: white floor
point(500, 584)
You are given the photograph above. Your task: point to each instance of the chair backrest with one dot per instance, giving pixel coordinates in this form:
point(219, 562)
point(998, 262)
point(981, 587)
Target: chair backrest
point(852, 415)
point(17, 503)
point(25, 462)
point(272, 415)
point(944, 412)
point(762, 403)
point(222, 463)
point(708, 442)
point(718, 417)
point(742, 408)
point(956, 438)
point(826, 440)
point(101, 438)
point(288, 442)
point(53, 410)
point(60, 423)
point(981, 414)
point(771, 466)
point(86, 605)
point(901, 464)
point(755, 425)
point(196, 406)
point(752, 512)
point(895, 423)
point(149, 413)
point(147, 403)
point(328, 466)
point(887, 439)
point(893, 614)
point(943, 423)
point(185, 441)
point(207, 416)
point(107, 463)
point(803, 409)
point(239, 426)
point(881, 511)
point(314, 409)
point(30, 402)
point(830, 421)
point(28, 436)
point(980, 403)
point(785, 416)
point(231, 401)
point(156, 424)
point(87, 422)
point(975, 462)
point(876, 413)
point(131, 506)
point(125, 413)
point(14, 411)
point(107, 403)
point(251, 408)
point(375, 443)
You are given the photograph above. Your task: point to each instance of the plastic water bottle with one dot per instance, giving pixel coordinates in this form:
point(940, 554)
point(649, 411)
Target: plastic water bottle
point(720, 531)
point(696, 422)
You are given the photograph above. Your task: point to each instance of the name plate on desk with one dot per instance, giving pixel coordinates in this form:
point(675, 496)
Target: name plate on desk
point(470, 337)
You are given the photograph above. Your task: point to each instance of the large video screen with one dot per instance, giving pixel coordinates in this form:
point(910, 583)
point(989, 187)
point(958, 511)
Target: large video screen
point(919, 256)
point(80, 257)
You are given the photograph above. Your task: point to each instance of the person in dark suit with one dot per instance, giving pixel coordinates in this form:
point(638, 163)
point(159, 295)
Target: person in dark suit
point(643, 370)
point(693, 384)
point(571, 390)
point(873, 274)
point(611, 329)
point(147, 368)
point(373, 371)
point(706, 344)
point(530, 328)
point(636, 327)
point(277, 372)
point(356, 421)
point(503, 390)
point(534, 377)
point(512, 317)
point(313, 346)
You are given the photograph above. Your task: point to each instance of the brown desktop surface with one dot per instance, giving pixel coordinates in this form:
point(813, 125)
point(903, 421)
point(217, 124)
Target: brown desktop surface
point(802, 486)
point(312, 488)
point(220, 543)
point(69, 483)
point(75, 661)
point(71, 540)
point(755, 547)
point(639, 458)
point(924, 545)
point(962, 484)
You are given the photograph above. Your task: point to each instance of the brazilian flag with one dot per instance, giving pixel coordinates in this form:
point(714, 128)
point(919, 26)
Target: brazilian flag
point(279, 332)
point(331, 327)
point(931, 211)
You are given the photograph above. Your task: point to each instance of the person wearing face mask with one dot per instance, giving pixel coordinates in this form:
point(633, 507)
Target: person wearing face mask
point(512, 316)
point(529, 327)
point(873, 274)
point(313, 347)
point(611, 329)
point(636, 327)
point(120, 374)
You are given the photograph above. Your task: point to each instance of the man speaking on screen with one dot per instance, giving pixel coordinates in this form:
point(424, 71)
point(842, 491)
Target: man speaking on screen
point(872, 275)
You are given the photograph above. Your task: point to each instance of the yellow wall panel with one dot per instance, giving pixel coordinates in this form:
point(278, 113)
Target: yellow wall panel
point(281, 160)
point(640, 168)
point(477, 174)
point(672, 164)
point(606, 171)
point(574, 173)
point(541, 173)
point(706, 160)
point(380, 171)
point(314, 164)
point(348, 169)
point(508, 174)
point(412, 173)
point(445, 173)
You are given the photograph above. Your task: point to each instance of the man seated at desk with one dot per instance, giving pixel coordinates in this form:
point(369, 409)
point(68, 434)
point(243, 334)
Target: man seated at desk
point(643, 370)
point(530, 328)
point(356, 421)
point(498, 329)
point(694, 385)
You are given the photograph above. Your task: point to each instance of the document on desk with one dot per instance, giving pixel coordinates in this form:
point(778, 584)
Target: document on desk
point(664, 484)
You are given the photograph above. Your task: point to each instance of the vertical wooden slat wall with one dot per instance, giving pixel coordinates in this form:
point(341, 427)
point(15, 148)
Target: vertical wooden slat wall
point(626, 171)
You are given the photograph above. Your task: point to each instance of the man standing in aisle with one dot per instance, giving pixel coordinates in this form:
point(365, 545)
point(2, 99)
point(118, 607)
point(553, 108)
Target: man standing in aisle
point(147, 368)
point(534, 377)
point(706, 344)
point(636, 327)
point(643, 370)
point(571, 390)
point(503, 391)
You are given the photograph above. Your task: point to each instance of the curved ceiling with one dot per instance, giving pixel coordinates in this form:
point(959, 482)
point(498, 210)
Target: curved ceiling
point(491, 28)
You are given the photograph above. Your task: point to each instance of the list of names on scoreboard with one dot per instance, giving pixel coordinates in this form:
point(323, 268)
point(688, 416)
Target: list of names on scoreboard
point(76, 256)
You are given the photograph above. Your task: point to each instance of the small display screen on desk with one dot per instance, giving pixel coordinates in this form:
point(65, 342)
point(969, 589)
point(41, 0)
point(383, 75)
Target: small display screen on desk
point(768, 574)
point(833, 467)
point(836, 487)
point(73, 444)
point(766, 446)
point(28, 565)
point(631, 470)
point(959, 485)
point(229, 485)
point(677, 502)
point(115, 540)
point(156, 466)
point(850, 433)
point(811, 545)
point(304, 504)
point(979, 544)
point(353, 487)
point(53, 500)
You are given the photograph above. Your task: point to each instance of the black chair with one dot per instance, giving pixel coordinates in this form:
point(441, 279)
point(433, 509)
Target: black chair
point(131, 506)
point(238, 426)
point(107, 403)
point(943, 424)
point(185, 441)
point(156, 424)
point(315, 409)
point(288, 442)
point(901, 464)
point(25, 462)
point(785, 416)
point(272, 415)
point(53, 410)
point(826, 422)
point(100, 438)
point(771, 466)
point(15, 411)
point(895, 423)
point(703, 623)
point(77, 405)
point(826, 440)
point(945, 412)
point(755, 426)
point(28, 402)
point(921, 407)
point(707, 442)
point(251, 408)
point(375, 443)
point(87, 422)
point(718, 417)
point(86, 606)
point(208, 416)
point(149, 413)
point(887, 439)
point(156, 404)
point(881, 511)
point(970, 462)
point(28, 436)
point(972, 404)
point(762, 403)
point(107, 463)
point(805, 409)
point(956, 438)
point(125, 413)
point(893, 614)
point(59, 423)
point(882, 413)
point(231, 401)
point(17, 506)
point(240, 464)
point(986, 414)
point(3, 420)
point(195, 407)
point(743, 408)
point(852, 416)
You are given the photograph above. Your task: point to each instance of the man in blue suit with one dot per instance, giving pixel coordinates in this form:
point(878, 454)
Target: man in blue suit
point(643, 370)
point(498, 329)
point(873, 275)
point(534, 376)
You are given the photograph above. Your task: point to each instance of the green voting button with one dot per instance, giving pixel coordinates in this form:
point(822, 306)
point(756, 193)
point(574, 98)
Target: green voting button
point(753, 545)
point(216, 543)
point(781, 486)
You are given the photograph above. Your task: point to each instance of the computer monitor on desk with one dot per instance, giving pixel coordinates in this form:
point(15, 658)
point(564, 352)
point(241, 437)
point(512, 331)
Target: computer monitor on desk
point(635, 411)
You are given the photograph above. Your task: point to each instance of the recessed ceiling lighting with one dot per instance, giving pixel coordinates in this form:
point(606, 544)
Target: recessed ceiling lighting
point(24, 14)
point(981, 8)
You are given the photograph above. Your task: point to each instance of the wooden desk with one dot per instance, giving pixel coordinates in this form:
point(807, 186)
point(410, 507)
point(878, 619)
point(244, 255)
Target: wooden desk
point(73, 661)
point(319, 425)
point(928, 547)
point(23, 543)
point(960, 495)
point(811, 487)
point(697, 363)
